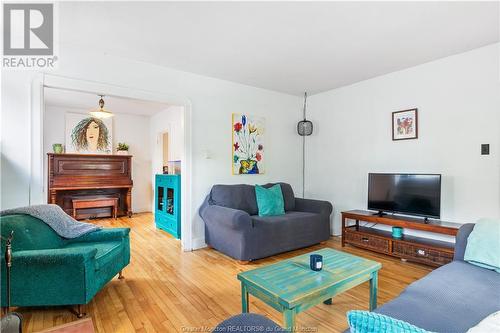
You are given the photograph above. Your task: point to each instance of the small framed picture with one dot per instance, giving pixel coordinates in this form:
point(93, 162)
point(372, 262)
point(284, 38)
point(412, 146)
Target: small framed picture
point(405, 124)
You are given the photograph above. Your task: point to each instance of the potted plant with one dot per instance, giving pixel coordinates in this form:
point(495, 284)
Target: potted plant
point(122, 148)
point(57, 148)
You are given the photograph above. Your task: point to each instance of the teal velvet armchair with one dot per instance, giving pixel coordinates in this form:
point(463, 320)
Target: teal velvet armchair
point(49, 270)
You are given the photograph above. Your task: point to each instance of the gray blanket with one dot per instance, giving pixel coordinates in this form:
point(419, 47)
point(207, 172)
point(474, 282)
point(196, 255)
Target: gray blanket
point(63, 224)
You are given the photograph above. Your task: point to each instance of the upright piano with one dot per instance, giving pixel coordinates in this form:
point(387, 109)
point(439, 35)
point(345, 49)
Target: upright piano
point(86, 176)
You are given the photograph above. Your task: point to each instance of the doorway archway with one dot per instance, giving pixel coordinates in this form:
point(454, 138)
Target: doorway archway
point(37, 186)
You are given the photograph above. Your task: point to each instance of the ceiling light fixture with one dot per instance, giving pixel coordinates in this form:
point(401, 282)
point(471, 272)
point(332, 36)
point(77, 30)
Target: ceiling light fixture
point(101, 113)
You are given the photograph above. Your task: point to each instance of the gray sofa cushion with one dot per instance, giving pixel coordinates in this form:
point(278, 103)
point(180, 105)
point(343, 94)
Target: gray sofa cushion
point(275, 234)
point(461, 240)
point(242, 197)
point(450, 299)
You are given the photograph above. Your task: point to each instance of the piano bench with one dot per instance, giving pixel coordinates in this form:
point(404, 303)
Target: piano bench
point(95, 203)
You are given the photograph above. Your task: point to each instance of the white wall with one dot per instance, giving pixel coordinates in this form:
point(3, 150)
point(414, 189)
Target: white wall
point(169, 120)
point(134, 130)
point(458, 101)
point(128, 128)
point(212, 100)
point(15, 139)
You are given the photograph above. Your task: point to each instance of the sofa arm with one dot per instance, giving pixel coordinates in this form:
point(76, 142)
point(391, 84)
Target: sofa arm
point(231, 218)
point(108, 234)
point(313, 206)
point(51, 276)
point(461, 240)
point(53, 257)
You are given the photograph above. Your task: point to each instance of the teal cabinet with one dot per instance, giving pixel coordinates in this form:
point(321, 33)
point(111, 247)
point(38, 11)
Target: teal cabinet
point(168, 204)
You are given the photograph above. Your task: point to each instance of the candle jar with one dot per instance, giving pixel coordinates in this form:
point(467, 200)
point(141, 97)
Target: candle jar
point(316, 262)
point(397, 232)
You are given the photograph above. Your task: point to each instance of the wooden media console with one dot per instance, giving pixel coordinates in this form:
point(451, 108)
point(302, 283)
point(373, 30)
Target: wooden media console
point(419, 249)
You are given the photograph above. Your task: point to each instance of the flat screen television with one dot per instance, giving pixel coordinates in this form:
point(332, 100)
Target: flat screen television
point(412, 194)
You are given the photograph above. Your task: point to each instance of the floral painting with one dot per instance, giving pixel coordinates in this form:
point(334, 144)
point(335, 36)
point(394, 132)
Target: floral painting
point(86, 134)
point(405, 125)
point(248, 144)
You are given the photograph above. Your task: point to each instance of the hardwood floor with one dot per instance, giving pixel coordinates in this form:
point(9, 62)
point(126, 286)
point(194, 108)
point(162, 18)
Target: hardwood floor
point(166, 290)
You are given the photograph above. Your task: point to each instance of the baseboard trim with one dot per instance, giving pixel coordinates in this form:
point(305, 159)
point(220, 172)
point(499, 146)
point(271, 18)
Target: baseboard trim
point(198, 243)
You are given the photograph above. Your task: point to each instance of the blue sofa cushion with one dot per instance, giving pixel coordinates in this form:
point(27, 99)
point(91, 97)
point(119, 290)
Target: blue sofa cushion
point(451, 299)
point(270, 200)
point(288, 195)
point(483, 245)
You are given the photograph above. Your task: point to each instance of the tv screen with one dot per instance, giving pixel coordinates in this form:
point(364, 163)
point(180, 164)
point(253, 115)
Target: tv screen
point(413, 194)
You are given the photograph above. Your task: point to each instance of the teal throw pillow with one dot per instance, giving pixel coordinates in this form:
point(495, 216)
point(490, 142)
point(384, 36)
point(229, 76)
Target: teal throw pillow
point(270, 200)
point(370, 322)
point(483, 245)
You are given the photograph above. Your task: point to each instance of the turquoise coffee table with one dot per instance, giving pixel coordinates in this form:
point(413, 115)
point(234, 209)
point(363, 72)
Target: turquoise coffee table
point(290, 286)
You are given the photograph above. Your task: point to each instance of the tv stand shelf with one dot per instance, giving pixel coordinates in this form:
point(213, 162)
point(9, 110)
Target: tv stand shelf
point(418, 249)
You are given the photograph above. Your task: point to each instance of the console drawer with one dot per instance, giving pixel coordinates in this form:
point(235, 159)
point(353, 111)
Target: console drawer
point(367, 241)
point(421, 254)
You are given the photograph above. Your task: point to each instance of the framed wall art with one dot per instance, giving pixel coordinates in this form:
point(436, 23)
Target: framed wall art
point(405, 124)
point(248, 144)
point(88, 135)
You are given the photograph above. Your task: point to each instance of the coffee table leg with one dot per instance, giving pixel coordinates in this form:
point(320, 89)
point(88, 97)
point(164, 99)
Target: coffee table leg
point(244, 298)
point(289, 320)
point(373, 291)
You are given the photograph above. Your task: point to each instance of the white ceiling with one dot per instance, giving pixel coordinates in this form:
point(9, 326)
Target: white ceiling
point(86, 101)
point(284, 46)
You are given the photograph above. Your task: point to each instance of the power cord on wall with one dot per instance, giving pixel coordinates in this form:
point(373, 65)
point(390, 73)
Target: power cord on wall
point(303, 166)
point(304, 151)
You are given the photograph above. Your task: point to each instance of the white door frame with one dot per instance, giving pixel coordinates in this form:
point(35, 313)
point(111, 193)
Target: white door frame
point(37, 155)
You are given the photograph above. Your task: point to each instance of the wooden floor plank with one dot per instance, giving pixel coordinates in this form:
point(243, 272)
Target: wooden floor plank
point(167, 290)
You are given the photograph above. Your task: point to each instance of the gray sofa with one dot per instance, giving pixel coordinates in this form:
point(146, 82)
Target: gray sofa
point(233, 227)
point(450, 299)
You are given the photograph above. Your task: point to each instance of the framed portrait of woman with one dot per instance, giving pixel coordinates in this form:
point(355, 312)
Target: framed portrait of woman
point(88, 135)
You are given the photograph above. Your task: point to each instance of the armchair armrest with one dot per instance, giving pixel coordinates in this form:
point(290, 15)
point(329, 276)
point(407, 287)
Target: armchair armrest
point(52, 257)
point(461, 240)
point(52, 276)
point(313, 206)
point(108, 234)
point(231, 218)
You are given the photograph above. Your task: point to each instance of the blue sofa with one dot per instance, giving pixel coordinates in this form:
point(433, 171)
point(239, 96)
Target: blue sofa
point(233, 227)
